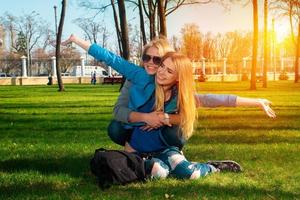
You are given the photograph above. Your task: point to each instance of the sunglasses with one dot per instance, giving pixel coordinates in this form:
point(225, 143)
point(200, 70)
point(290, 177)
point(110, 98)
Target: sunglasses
point(156, 59)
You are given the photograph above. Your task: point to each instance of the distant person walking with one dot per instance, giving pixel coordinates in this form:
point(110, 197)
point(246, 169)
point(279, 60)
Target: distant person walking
point(93, 78)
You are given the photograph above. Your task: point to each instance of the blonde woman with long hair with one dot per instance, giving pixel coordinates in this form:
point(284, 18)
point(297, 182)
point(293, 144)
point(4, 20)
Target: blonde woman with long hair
point(174, 80)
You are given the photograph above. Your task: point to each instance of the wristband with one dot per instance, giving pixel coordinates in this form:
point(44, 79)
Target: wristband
point(167, 118)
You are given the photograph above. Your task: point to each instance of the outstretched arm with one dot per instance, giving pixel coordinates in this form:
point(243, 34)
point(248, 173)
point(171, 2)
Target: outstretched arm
point(216, 100)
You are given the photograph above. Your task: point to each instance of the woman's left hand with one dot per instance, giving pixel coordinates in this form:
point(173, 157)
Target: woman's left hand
point(265, 105)
point(69, 41)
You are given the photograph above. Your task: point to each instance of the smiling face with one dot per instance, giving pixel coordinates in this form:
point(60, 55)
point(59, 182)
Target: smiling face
point(149, 65)
point(167, 74)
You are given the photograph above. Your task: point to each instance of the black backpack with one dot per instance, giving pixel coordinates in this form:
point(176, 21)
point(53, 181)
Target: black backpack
point(117, 167)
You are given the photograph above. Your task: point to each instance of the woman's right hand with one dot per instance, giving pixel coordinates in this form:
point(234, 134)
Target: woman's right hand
point(265, 105)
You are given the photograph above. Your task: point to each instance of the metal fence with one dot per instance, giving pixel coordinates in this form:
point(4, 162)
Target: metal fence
point(44, 67)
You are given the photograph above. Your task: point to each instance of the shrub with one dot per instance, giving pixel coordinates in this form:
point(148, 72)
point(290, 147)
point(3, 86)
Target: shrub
point(283, 76)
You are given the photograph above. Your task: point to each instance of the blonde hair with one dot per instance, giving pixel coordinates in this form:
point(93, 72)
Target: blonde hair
point(186, 90)
point(162, 45)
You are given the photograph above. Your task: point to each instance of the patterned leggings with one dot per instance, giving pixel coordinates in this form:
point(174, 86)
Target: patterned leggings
point(171, 162)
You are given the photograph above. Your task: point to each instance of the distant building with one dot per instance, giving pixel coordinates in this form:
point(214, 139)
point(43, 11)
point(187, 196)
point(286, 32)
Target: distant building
point(88, 70)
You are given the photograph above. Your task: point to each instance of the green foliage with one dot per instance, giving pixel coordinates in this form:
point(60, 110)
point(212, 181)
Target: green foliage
point(48, 138)
point(21, 44)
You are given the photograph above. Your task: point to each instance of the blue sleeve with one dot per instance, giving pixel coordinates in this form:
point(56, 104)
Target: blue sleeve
point(135, 74)
point(216, 100)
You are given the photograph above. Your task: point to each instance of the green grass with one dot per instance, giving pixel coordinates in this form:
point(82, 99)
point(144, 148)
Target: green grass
point(47, 139)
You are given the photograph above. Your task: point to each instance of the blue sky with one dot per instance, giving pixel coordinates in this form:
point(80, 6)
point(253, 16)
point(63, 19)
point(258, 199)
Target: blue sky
point(210, 17)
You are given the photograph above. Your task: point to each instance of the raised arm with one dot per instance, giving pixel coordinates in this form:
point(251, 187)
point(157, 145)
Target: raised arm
point(132, 72)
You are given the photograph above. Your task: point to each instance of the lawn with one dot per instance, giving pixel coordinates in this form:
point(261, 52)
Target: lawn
point(47, 139)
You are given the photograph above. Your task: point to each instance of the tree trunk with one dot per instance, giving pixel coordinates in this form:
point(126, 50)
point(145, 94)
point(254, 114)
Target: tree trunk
point(117, 26)
point(124, 33)
point(297, 55)
point(151, 9)
point(162, 18)
point(255, 44)
point(124, 29)
point(58, 41)
point(291, 22)
point(266, 45)
point(142, 25)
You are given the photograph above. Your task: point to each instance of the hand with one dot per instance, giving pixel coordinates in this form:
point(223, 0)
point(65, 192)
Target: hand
point(161, 115)
point(147, 128)
point(69, 41)
point(265, 105)
point(153, 120)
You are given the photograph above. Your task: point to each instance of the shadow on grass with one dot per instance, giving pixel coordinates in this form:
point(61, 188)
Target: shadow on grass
point(182, 189)
point(242, 139)
point(194, 190)
point(72, 166)
point(86, 104)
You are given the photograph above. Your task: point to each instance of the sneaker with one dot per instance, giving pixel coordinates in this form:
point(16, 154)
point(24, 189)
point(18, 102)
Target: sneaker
point(225, 165)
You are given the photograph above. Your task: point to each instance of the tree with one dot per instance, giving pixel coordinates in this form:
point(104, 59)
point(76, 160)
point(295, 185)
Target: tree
point(11, 64)
point(58, 41)
point(9, 24)
point(255, 44)
point(140, 5)
point(167, 7)
point(223, 44)
point(117, 26)
point(150, 9)
point(209, 51)
point(153, 9)
point(2, 38)
point(142, 21)
point(266, 45)
point(120, 21)
point(175, 43)
point(93, 31)
point(291, 8)
point(21, 44)
point(124, 29)
point(191, 41)
point(162, 17)
point(297, 14)
point(42, 60)
point(136, 43)
point(239, 48)
point(33, 28)
point(297, 54)
point(69, 57)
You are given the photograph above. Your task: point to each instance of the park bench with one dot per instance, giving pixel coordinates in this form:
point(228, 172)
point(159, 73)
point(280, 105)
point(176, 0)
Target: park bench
point(112, 80)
